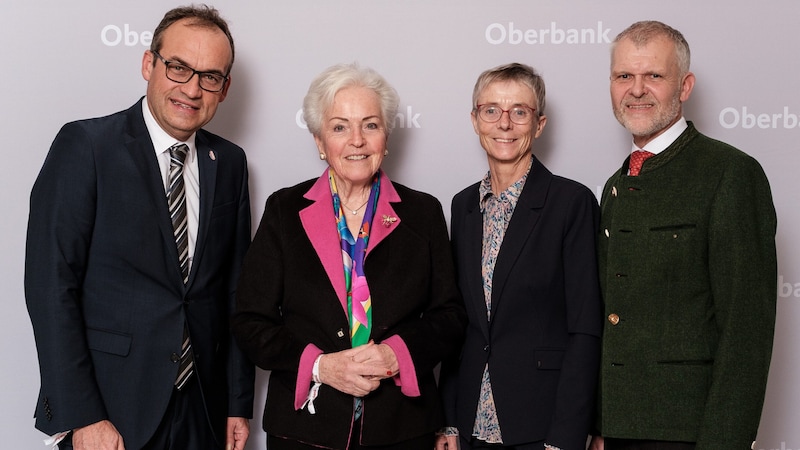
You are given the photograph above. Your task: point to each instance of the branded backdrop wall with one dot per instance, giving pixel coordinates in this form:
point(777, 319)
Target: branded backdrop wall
point(78, 59)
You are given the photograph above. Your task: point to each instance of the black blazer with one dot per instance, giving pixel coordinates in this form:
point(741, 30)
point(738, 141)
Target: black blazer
point(542, 345)
point(103, 283)
point(292, 293)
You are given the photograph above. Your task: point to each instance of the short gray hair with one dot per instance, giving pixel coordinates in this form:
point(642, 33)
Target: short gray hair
point(520, 73)
point(643, 32)
point(335, 78)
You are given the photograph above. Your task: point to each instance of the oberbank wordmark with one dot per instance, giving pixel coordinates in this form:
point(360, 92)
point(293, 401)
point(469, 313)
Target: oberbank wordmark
point(498, 33)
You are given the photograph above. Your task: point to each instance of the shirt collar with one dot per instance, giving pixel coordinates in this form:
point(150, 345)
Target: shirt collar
point(665, 139)
point(162, 141)
point(511, 194)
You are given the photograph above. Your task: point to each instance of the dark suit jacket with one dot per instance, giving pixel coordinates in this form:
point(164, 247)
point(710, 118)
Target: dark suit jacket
point(292, 298)
point(542, 345)
point(103, 283)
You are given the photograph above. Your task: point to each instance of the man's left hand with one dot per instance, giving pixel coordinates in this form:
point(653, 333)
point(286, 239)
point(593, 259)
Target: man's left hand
point(237, 433)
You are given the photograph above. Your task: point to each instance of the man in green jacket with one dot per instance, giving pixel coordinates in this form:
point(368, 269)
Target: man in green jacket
point(687, 266)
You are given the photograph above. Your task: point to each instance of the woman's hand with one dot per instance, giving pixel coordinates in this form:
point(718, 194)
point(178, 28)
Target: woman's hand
point(597, 443)
point(446, 442)
point(381, 356)
point(357, 371)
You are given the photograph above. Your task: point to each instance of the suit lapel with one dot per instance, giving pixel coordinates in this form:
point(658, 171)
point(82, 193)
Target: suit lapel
point(523, 222)
point(386, 218)
point(473, 236)
point(140, 148)
point(207, 171)
point(320, 227)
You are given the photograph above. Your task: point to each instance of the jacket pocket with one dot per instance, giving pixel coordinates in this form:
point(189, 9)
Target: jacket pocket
point(686, 362)
point(224, 209)
point(108, 341)
point(548, 359)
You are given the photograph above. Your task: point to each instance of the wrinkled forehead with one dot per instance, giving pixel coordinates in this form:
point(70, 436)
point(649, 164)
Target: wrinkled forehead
point(655, 52)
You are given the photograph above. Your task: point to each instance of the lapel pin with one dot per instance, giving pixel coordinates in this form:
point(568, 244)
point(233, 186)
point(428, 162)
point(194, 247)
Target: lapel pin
point(388, 220)
point(212, 155)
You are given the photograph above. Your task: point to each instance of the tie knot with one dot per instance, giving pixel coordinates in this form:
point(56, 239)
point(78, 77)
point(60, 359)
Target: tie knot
point(638, 158)
point(178, 153)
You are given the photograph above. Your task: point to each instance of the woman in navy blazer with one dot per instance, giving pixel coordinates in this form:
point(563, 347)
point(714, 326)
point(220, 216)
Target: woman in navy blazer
point(348, 292)
point(524, 243)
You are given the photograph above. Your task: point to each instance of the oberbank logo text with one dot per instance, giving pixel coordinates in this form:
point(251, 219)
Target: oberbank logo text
point(787, 289)
point(113, 35)
point(407, 119)
point(743, 118)
point(500, 33)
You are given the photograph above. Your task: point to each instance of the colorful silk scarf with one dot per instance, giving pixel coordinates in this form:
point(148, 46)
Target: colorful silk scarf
point(354, 250)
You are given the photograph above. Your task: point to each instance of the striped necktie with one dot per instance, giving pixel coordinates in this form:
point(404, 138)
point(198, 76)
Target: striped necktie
point(176, 197)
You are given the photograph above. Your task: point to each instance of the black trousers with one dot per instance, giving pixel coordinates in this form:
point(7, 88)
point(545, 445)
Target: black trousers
point(425, 442)
point(638, 444)
point(183, 427)
point(475, 444)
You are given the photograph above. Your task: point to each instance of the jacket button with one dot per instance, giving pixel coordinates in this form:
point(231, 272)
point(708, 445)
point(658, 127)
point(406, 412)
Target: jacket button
point(613, 191)
point(486, 348)
point(607, 233)
point(175, 357)
point(613, 318)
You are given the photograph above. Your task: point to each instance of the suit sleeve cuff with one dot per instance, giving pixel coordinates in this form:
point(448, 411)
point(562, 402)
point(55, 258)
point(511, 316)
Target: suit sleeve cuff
point(406, 378)
point(304, 380)
point(54, 440)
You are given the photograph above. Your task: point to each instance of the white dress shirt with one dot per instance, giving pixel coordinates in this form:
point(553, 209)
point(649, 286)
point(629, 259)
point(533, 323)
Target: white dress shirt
point(665, 139)
point(162, 142)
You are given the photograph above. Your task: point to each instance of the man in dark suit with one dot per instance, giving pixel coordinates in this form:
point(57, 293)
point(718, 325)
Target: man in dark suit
point(524, 243)
point(132, 259)
point(687, 266)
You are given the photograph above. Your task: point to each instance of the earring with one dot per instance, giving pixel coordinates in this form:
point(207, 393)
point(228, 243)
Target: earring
point(386, 152)
point(322, 156)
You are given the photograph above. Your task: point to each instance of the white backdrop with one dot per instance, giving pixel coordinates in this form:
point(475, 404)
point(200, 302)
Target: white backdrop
point(68, 60)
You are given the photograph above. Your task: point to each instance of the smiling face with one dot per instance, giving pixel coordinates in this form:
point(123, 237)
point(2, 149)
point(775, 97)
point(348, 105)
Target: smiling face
point(353, 136)
point(182, 109)
point(506, 142)
point(647, 88)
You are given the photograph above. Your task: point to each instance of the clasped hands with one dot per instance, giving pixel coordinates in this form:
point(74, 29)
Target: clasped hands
point(358, 371)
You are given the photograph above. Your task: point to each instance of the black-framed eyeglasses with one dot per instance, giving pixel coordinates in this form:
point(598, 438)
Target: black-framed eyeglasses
point(180, 73)
point(519, 114)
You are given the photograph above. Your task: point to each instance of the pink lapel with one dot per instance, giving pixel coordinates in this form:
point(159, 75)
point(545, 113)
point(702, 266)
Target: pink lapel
point(386, 220)
point(320, 227)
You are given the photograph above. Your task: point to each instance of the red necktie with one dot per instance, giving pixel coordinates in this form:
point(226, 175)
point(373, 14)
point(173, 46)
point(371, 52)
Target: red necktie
point(637, 159)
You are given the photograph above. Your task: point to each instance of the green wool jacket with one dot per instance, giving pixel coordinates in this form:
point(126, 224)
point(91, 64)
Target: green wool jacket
point(689, 276)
